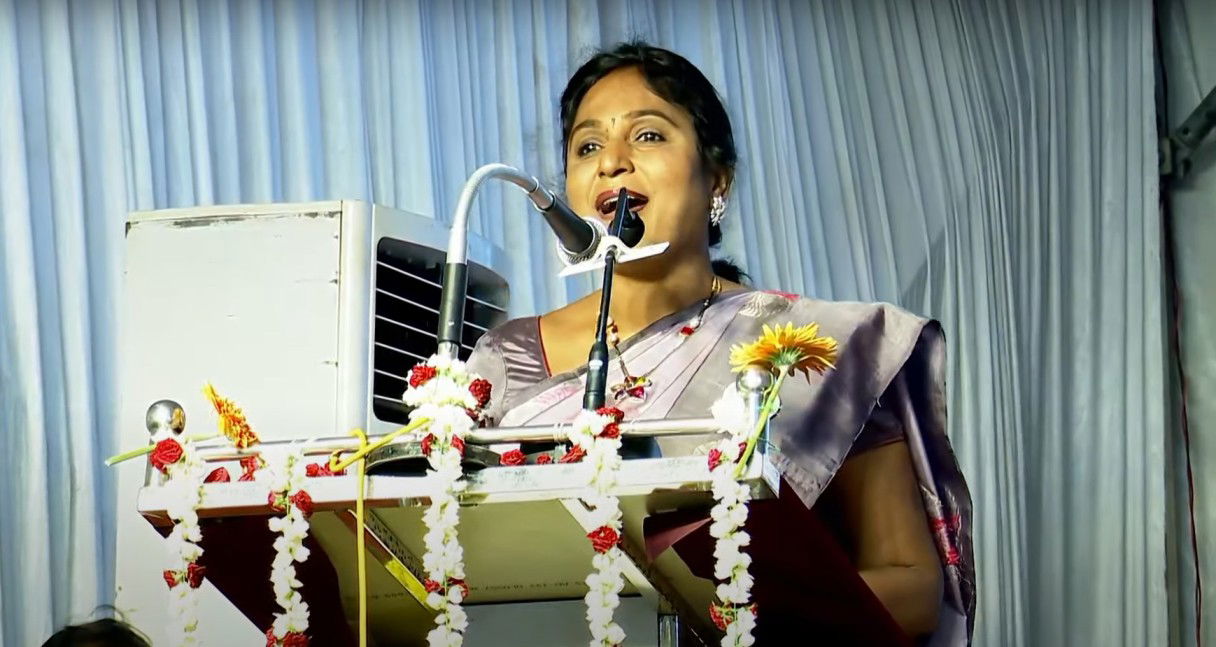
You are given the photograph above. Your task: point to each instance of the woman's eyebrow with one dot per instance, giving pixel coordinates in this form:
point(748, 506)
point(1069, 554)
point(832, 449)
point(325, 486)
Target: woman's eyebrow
point(651, 112)
point(634, 114)
point(586, 123)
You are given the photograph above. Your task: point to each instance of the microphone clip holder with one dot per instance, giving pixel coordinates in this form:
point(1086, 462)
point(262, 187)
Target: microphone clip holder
point(622, 253)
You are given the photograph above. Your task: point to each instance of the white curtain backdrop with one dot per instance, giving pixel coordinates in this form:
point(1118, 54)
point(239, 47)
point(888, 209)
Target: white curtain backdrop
point(992, 164)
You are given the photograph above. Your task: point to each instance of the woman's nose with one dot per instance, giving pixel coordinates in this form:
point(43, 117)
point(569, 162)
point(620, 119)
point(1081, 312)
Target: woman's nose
point(615, 160)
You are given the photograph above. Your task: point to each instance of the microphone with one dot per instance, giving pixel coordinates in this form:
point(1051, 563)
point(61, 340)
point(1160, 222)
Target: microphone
point(579, 241)
point(628, 227)
point(577, 237)
point(618, 244)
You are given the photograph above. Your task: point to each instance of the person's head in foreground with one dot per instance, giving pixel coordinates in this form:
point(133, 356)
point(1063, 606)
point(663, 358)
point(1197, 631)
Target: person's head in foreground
point(99, 633)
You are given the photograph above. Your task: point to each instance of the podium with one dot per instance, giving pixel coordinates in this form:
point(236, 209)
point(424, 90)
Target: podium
point(523, 530)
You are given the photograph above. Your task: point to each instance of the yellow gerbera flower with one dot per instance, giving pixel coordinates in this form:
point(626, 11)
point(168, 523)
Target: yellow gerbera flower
point(787, 349)
point(232, 420)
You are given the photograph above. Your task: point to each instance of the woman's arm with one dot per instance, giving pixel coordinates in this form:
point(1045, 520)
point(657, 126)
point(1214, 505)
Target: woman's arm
point(878, 496)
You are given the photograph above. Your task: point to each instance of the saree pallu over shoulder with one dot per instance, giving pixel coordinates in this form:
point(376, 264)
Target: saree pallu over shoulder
point(885, 354)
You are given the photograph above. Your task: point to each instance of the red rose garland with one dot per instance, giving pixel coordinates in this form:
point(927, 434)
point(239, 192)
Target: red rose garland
point(166, 453)
point(181, 482)
point(513, 457)
point(287, 497)
point(249, 467)
point(183, 477)
point(314, 470)
point(596, 439)
point(604, 539)
point(192, 576)
point(442, 391)
point(735, 615)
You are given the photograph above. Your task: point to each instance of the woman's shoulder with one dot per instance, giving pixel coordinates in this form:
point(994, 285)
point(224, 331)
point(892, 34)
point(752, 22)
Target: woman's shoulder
point(773, 304)
point(508, 352)
point(511, 331)
point(878, 327)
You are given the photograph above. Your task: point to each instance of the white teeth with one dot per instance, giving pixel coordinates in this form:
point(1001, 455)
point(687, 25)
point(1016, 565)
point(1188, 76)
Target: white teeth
point(609, 204)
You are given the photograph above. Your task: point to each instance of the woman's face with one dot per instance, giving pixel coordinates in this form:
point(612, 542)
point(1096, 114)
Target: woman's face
point(625, 135)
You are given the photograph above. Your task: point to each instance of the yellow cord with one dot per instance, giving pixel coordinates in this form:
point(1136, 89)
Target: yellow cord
point(359, 541)
point(364, 449)
point(338, 465)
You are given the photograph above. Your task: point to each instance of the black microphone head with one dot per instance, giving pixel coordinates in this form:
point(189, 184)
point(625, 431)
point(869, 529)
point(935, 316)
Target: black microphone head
point(626, 225)
point(632, 229)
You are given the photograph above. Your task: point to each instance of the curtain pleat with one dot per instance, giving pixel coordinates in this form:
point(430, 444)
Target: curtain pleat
point(991, 164)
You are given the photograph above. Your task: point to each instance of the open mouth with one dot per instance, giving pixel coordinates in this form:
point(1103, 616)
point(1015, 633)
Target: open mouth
point(606, 202)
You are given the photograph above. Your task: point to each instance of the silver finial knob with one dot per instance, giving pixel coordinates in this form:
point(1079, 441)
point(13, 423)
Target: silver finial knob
point(165, 415)
point(753, 380)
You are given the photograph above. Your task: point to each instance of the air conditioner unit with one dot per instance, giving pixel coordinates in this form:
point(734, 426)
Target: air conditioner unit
point(308, 315)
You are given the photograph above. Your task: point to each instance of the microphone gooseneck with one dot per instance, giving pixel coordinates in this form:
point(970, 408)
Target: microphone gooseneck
point(577, 234)
point(579, 240)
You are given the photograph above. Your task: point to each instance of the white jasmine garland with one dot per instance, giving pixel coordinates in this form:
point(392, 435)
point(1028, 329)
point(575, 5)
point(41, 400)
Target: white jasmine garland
point(286, 481)
point(735, 614)
point(440, 392)
point(183, 485)
point(604, 584)
point(730, 411)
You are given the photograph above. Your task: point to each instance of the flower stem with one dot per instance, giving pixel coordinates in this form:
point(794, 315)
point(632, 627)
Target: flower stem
point(766, 412)
point(146, 449)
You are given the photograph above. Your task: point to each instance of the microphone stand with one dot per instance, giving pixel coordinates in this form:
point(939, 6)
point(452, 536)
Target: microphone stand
point(626, 232)
point(455, 271)
point(597, 359)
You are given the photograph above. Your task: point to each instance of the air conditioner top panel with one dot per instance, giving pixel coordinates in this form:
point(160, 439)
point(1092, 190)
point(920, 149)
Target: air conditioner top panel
point(422, 229)
point(227, 210)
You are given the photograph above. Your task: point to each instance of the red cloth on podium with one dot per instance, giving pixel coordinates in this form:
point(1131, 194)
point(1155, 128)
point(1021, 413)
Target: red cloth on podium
point(238, 552)
point(807, 590)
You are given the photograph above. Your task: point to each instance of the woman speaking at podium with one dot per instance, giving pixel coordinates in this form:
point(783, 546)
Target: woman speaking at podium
point(870, 478)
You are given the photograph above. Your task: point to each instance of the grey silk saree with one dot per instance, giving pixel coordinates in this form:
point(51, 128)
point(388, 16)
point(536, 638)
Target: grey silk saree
point(888, 384)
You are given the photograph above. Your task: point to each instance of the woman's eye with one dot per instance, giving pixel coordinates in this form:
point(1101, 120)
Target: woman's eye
point(586, 149)
point(650, 136)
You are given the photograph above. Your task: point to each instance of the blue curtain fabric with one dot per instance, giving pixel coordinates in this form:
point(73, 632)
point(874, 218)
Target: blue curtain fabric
point(991, 164)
